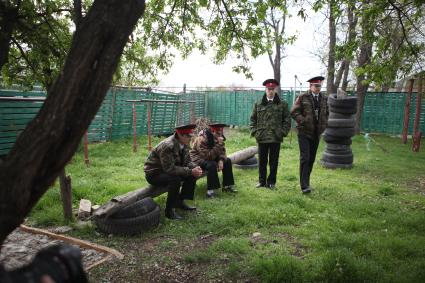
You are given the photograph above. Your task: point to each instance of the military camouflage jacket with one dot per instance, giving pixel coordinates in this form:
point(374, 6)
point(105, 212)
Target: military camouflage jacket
point(303, 113)
point(200, 151)
point(270, 122)
point(167, 157)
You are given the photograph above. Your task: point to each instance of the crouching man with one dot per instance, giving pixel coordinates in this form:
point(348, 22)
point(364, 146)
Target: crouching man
point(169, 165)
point(209, 152)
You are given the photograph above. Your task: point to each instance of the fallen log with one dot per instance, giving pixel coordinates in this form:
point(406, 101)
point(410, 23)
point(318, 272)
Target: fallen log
point(118, 202)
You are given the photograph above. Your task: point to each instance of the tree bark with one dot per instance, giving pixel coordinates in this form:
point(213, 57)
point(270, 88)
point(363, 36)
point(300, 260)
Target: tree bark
point(8, 19)
point(362, 86)
point(330, 86)
point(51, 138)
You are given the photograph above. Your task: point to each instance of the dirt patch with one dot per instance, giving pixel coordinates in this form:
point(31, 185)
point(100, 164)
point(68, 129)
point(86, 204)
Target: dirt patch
point(165, 259)
point(20, 247)
point(418, 185)
point(298, 249)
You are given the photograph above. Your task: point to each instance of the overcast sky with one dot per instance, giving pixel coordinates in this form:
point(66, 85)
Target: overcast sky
point(199, 71)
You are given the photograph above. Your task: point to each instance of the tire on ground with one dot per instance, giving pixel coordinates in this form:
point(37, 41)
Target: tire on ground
point(333, 115)
point(337, 140)
point(337, 158)
point(249, 161)
point(252, 166)
point(128, 226)
point(341, 123)
point(340, 132)
point(330, 165)
point(347, 111)
point(347, 151)
point(346, 102)
point(337, 147)
point(138, 208)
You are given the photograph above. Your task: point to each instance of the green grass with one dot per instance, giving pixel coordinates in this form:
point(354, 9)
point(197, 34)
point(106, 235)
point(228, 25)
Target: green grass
point(366, 224)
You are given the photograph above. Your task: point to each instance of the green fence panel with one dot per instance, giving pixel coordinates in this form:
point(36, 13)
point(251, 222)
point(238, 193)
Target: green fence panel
point(235, 107)
point(15, 115)
point(382, 113)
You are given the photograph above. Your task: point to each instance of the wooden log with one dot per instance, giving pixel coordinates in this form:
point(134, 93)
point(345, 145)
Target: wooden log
point(118, 202)
point(66, 194)
point(243, 154)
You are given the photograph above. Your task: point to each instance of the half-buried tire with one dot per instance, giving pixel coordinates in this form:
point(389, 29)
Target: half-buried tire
point(138, 208)
point(129, 226)
point(249, 161)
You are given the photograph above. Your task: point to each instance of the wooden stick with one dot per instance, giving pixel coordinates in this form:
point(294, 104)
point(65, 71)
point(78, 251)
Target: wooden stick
point(99, 262)
point(72, 240)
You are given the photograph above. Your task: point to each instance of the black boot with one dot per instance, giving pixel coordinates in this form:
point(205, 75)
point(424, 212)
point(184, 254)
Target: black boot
point(185, 206)
point(171, 214)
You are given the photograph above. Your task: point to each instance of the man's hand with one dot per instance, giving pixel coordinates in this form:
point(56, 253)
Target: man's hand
point(220, 165)
point(220, 140)
point(197, 172)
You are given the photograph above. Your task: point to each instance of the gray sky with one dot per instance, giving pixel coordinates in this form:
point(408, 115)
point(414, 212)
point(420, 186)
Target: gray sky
point(199, 71)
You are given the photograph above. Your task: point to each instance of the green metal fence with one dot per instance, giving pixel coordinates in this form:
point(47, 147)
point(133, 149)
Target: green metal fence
point(383, 112)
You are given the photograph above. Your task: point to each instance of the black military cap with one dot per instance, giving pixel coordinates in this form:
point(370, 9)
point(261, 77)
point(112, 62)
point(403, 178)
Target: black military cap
point(185, 129)
point(315, 80)
point(270, 83)
point(217, 126)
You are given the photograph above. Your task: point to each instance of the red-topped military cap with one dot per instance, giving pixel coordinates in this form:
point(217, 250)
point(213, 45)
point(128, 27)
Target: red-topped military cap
point(270, 83)
point(185, 129)
point(316, 80)
point(214, 127)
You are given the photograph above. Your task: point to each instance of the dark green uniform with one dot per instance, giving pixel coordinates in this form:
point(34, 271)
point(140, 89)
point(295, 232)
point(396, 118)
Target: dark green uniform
point(311, 117)
point(270, 122)
point(169, 165)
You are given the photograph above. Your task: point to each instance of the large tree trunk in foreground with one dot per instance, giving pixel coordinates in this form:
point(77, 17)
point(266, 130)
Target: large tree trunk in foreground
point(8, 19)
point(51, 138)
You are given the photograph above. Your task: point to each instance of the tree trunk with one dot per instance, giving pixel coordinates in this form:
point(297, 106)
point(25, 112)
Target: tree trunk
point(330, 86)
point(362, 86)
point(51, 138)
point(8, 19)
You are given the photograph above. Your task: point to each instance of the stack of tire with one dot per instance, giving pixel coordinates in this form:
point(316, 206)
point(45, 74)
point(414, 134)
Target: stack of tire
point(248, 163)
point(339, 131)
point(132, 219)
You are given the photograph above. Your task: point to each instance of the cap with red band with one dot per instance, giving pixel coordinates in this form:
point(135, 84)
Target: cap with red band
point(270, 83)
point(217, 127)
point(185, 129)
point(316, 80)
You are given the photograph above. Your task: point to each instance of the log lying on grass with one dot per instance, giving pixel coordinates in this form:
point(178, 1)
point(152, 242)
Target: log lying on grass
point(150, 191)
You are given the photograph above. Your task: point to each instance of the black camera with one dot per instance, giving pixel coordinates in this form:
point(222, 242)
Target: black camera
point(62, 263)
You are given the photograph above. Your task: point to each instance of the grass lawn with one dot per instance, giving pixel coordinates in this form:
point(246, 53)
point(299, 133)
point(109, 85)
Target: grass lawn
point(366, 224)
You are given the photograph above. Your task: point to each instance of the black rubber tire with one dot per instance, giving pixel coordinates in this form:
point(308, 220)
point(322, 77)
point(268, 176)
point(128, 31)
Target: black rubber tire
point(138, 208)
point(333, 115)
point(337, 158)
point(337, 147)
point(330, 165)
point(347, 111)
point(340, 132)
point(128, 226)
point(252, 166)
point(349, 102)
point(341, 123)
point(337, 140)
point(249, 161)
point(347, 151)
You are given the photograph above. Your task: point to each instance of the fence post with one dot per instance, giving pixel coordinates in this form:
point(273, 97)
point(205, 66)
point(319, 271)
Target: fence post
point(407, 112)
point(416, 133)
point(86, 149)
point(134, 128)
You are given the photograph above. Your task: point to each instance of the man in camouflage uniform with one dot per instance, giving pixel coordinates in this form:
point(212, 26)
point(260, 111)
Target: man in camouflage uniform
point(169, 165)
point(310, 111)
point(270, 122)
point(208, 151)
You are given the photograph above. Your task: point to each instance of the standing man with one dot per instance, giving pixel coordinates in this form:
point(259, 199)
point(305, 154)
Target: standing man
point(310, 111)
point(169, 165)
point(270, 122)
point(209, 152)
